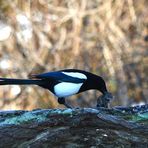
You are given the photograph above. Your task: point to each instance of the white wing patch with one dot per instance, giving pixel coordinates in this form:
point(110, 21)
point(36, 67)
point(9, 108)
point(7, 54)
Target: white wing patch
point(76, 75)
point(65, 89)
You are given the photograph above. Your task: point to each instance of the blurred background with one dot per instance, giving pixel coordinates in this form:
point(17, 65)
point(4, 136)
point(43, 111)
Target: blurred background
point(106, 37)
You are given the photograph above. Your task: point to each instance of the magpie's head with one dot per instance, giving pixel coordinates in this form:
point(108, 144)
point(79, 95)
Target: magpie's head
point(102, 87)
point(105, 99)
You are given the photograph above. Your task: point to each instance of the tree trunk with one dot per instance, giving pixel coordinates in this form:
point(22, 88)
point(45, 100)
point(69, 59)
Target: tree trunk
point(72, 128)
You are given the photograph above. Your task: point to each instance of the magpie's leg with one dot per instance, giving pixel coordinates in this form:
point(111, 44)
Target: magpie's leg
point(62, 101)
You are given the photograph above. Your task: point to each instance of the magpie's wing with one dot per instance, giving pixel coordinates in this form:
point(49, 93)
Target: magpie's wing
point(58, 76)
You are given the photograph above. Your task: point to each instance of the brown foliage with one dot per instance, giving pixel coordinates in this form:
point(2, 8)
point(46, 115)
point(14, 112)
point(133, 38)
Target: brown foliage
point(104, 37)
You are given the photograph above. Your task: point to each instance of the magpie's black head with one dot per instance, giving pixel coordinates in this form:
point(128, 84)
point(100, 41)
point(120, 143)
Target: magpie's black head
point(107, 96)
point(101, 85)
point(94, 82)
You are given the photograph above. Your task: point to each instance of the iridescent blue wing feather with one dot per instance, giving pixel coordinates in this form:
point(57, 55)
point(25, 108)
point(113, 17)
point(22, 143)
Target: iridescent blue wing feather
point(59, 76)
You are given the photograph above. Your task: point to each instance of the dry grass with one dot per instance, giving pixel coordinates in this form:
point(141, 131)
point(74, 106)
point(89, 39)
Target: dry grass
point(102, 36)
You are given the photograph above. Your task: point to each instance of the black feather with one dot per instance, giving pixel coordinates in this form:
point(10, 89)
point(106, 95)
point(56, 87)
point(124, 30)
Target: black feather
point(7, 81)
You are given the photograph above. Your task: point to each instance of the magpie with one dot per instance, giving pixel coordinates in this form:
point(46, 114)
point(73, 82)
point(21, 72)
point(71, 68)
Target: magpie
point(63, 83)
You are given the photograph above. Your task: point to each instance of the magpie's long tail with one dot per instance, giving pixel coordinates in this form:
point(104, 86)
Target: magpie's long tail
point(7, 81)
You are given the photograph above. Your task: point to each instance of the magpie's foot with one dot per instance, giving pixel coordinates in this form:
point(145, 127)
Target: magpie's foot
point(62, 101)
point(67, 105)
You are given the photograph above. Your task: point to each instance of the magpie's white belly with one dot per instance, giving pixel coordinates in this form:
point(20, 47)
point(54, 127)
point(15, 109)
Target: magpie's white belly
point(65, 89)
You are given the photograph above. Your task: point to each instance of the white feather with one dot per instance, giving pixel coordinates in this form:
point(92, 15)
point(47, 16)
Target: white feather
point(65, 89)
point(76, 75)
